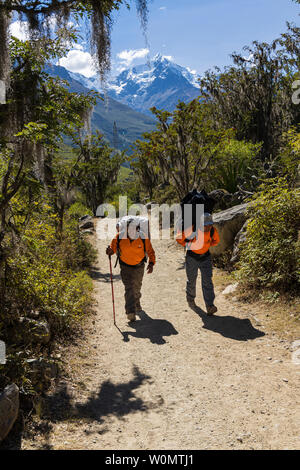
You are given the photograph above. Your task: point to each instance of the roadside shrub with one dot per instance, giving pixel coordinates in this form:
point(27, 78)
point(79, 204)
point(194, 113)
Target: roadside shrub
point(270, 256)
point(234, 164)
point(78, 210)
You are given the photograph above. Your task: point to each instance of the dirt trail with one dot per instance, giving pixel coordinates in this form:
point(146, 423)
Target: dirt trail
point(175, 379)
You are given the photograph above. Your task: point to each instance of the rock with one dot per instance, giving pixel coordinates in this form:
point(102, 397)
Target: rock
point(35, 331)
point(230, 289)
point(86, 223)
point(223, 199)
point(228, 223)
point(84, 217)
point(9, 409)
point(295, 344)
point(28, 331)
point(41, 373)
point(240, 238)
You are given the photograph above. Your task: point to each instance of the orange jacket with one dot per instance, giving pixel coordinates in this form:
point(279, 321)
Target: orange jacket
point(201, 244)
point(132, 251)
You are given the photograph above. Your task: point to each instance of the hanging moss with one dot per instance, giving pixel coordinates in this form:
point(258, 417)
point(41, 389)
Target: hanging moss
point(4, 50)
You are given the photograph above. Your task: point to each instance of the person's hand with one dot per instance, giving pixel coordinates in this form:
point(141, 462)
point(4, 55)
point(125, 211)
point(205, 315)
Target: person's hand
point(150, 268)
point(109, 251)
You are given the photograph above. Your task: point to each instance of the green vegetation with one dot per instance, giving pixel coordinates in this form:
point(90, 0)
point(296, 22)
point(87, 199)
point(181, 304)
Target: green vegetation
point(270, 257)
point(45, 188)
point(241, 137)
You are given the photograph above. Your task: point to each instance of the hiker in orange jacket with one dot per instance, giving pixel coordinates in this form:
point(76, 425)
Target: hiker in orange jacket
point(198, 258)
point(132, 255)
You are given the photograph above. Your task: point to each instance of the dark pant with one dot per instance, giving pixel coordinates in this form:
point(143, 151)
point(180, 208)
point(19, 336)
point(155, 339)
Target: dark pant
point(132, 277)
point(205, 266)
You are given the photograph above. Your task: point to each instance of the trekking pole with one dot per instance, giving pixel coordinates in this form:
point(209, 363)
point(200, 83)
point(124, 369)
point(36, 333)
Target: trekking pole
point(112, 290)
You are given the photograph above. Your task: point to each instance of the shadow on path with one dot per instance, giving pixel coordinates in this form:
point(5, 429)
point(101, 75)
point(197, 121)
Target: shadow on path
point(149, 328)
point(110, 400)
point(240, 329)
point(97, 275)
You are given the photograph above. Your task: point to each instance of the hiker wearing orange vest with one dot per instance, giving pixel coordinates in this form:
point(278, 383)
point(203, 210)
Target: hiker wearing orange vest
point(198, 258)
point(132, 257)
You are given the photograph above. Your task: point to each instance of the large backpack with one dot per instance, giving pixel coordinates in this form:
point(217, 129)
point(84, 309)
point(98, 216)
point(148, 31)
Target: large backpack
point(139, 224)
point(195, 198)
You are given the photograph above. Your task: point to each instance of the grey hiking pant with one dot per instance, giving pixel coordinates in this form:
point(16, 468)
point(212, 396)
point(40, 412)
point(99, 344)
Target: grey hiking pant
point(192, 266)
point(132, 277)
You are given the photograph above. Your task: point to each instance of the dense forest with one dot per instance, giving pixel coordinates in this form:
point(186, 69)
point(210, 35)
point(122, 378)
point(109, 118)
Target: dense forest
point(240, 137)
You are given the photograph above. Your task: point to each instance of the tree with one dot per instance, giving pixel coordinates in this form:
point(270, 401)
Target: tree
point(39, 14)
point(97, 169)
point(184, 145)
point(43, 111)
point(254, 95)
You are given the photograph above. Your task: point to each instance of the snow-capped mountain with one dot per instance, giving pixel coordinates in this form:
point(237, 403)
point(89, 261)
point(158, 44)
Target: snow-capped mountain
point(161, 83)
point(110, 115)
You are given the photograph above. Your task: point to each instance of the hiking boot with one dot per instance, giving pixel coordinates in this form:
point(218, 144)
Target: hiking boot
point(211, 309)
point(131, 317)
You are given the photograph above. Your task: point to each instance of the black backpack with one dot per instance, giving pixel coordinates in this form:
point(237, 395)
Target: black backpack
point(195, 198)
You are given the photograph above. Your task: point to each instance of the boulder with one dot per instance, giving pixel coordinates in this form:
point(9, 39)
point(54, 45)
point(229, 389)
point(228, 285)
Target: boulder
point(240, 238)
point(230, 289)
point(87, 231)
point(9, 409)
point(29, 330)
point(41, 373)
point(86, 223)
point(228, 223)
point(38, 331)
point(84, 217)
point(222, 198)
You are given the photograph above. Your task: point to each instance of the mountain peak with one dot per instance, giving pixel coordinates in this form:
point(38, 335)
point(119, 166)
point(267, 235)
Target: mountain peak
point(158, 58)
point(162, 83)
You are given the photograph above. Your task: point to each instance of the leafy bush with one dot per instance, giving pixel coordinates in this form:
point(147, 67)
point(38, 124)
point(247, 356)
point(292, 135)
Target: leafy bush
point(78, 210)
point(233, 165)
point(290, 155)
point(270, 256)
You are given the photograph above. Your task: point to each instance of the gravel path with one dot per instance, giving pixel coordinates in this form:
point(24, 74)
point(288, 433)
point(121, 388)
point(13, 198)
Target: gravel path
point(175, 379)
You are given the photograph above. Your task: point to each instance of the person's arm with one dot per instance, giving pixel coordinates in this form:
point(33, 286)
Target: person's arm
point(185, 237)
point(215, 239)
point(112, 248)
point(181, 238)
point(150, 251)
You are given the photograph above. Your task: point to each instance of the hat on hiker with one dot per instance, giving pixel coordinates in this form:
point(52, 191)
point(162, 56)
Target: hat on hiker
point(207, 219)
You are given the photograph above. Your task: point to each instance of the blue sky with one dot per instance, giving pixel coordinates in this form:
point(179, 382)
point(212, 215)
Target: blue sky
point(198, 34)
point(202, 33)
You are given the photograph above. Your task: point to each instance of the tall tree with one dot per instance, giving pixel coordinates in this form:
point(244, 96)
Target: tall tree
point(39, 14)
point(184, 145)
point(254, 95)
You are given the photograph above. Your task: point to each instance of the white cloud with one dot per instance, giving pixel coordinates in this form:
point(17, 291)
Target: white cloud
point(129, 56)
point(78, 61)
point(163, 8)
point(19, 29)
